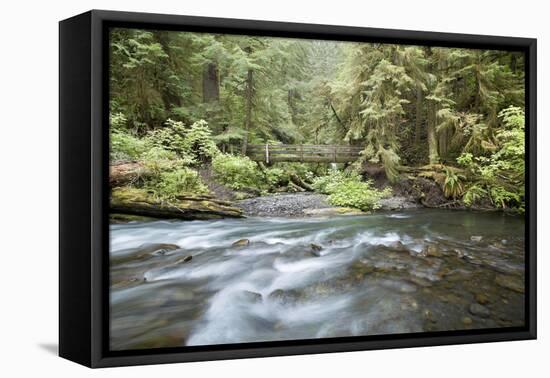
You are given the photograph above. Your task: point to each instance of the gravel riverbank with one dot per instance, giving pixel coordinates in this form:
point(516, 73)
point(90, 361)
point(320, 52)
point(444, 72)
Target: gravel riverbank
point(284, 205)
point(307, 204)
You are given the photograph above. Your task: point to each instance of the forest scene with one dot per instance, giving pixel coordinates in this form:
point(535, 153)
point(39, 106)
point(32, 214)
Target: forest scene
point(267, 189)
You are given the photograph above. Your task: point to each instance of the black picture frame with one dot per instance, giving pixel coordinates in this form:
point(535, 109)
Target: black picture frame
point(84, 189)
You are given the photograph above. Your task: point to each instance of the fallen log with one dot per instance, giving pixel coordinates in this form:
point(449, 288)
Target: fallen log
point(126, 173)
point(186, 206)
point(299, 182)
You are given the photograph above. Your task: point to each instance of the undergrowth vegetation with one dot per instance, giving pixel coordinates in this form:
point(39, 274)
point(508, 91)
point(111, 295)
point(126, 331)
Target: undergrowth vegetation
point(499, 177)
point(183, 102)
point(346, 189)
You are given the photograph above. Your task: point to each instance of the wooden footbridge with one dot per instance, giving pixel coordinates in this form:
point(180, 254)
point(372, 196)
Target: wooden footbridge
point(307, 153)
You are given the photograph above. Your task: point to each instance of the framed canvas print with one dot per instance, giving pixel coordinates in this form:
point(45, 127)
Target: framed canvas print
point(233, 188)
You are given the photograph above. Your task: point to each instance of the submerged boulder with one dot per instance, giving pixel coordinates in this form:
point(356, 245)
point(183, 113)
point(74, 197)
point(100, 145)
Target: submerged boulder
point(288, 296)
point(241, 243)
point(143, 252)
point(316, 249)
point(510, 282)
point(479, 310)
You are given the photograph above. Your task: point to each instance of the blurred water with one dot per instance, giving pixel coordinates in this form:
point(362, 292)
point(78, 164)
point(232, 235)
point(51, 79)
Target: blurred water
point(398, 272)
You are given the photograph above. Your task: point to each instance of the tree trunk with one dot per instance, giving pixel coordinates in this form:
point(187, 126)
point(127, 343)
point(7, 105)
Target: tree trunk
point(249, 93)
point(210, 83)
point(433, 154)
point(299, 182)
point(418, 128)
point(443, 138)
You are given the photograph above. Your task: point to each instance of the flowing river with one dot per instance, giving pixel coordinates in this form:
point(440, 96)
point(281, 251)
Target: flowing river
point(176, 283)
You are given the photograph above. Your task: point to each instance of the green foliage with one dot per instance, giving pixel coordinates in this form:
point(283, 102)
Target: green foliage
point(325, 184)
point(117, 121)
point(346, 189)
point(198, 142)
point(501, 175)
point(405, 105)
point(170, 184)
point(136, 56)
point(276, 177)
point(171, 137)
point(159, 160)
point(503, 198)
point(193, 144)
point(474, 194)
point(360, 195)
point(453, 186)
point(125, 146)
point(237, 172)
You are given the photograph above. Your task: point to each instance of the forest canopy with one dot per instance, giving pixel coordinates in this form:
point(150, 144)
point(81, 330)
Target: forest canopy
point(189, 97)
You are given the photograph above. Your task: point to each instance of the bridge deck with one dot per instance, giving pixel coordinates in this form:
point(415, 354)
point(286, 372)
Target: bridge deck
point(314, 153)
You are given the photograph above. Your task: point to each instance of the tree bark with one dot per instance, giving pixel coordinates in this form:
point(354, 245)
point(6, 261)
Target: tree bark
point(433, 154)
point(418, 128)
point(210, 83)
point(249, 93)
point(299, 182)
point(186, 206)
point(126, 173)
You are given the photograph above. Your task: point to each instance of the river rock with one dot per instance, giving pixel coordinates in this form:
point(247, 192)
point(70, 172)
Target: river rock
point(479, 310)
point(241, 243)
point(143, 252)
point(460, 253)
point(120, 284)
point(285, 296)
point(482, 298)
point(423, 282)
point(431, 250)
point(397, 203)
point(510, 282)
point(251, 296)
point(184, 259)
point(316, 249)
point(333, 211)
point(397, 246)
point(428, 315)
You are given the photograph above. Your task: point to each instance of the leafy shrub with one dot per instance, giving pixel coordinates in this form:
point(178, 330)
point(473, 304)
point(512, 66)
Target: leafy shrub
point(125, 146)
point(360, 195)
point(325, 184)
point(171, 137)
point(198, 142)
point(500, 175)
point(173, 183)
point(157, 159)
point(474, 194)
point(117, 121)
point(453, 186)
point(195, 142)
point(237, 172)
point(301, 170)
point(276, 177)
point(503, 198)
point(346, 189)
